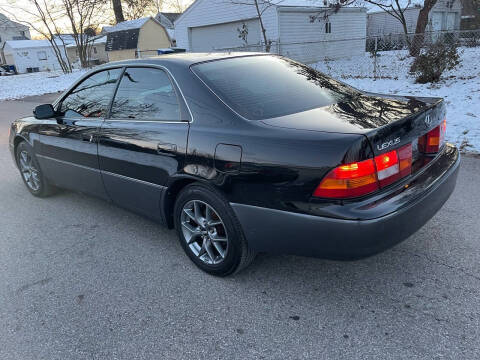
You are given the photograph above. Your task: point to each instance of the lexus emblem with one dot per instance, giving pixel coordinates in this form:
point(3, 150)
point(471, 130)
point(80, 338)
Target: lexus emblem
point(428, 120)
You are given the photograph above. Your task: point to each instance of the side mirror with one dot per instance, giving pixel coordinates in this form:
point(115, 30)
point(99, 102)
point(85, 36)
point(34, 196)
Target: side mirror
point(45, 111)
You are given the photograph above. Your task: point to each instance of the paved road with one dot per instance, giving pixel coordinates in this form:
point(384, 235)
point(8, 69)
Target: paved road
point(82, 279)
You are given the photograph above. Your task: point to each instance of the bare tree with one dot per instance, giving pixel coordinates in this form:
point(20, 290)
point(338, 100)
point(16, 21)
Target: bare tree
point(177, 6)
point(44, 21)
point(134, 9)
point(328, 9)
point(422, 22)
point(118, 11)
point(395, 9)
point(260, 7)
point(83, 23)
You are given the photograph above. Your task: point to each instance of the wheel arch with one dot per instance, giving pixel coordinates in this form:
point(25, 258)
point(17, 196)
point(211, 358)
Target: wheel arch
point(16, 141)
point(170, 195)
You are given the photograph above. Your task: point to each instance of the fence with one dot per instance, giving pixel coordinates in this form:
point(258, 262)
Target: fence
point(386, 56)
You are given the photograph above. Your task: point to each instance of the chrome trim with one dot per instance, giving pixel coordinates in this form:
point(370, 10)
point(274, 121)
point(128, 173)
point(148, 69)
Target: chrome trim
point(150, 121)
point(67, 163)
point(133, 179)
point(102, 171)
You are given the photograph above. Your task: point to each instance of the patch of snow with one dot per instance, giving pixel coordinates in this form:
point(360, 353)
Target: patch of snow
point(460, 87)
point(25, 44)
point(19, 86)
point(126, 25)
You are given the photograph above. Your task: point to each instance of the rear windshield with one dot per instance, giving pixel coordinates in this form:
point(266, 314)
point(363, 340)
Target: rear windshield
point(263, 87)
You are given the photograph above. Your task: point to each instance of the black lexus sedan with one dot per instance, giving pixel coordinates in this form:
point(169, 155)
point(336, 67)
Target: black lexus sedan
point(244, 153)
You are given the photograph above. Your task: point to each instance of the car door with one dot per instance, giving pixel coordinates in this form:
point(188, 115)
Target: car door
point(143, 141)
point(68, 150)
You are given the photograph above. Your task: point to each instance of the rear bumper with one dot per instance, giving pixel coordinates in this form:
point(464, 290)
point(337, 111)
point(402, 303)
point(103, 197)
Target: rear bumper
point(405, 212)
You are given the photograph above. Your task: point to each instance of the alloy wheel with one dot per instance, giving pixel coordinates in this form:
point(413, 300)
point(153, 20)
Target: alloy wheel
point(30, 173)
point(204, 232)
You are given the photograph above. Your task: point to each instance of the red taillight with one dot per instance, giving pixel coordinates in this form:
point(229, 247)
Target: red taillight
point(364, 177)
point(405, 160)
point(433, 140)
point(350, 180)
point(387, 168)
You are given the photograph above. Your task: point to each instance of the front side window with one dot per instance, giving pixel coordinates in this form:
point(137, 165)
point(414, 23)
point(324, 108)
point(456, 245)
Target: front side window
point(146, 94)
point(91, 98)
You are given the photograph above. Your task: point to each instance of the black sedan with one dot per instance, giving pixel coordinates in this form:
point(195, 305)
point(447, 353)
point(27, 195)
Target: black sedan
point(244, 153)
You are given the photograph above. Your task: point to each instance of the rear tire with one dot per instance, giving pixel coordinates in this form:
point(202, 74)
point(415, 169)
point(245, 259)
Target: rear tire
point(30, 171)
point(209, 231)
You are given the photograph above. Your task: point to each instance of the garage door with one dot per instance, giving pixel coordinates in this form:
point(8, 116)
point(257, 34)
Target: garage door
point(220, 36)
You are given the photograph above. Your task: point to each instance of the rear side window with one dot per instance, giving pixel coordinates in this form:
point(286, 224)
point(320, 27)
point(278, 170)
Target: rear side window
point(146, 94)
point(92, 96)
point(262, 87)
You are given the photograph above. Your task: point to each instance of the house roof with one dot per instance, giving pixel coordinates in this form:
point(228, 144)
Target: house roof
point(95, 41)
point(290, 3)
point(171, 16)
point(26, 44)
point(127, 25)
point(313, 3)
point(67, 39)
point(167, 19)
point(5, 22)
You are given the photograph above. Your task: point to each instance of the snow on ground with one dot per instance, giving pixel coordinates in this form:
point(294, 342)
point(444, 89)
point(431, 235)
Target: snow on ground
point(18, 86)
point(460, 88)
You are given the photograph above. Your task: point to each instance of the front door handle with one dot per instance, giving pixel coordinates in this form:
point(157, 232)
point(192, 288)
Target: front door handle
point(166, 148)
point(88, 138)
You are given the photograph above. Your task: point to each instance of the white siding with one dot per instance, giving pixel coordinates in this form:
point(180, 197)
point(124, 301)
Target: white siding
point(382, 23)
point(445, 15)
point(29, 57)
point(210, 12)
point(11, 30)
point(308, 42)
point(219, 36)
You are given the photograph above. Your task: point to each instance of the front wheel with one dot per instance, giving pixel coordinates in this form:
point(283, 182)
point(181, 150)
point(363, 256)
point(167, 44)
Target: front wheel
point(209, 231)
point(31, 173)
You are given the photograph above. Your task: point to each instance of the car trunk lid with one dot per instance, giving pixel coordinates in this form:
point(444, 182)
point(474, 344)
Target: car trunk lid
point(388, 122)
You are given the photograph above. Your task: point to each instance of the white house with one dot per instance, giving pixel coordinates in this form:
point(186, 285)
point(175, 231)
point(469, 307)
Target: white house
point(167, 20)
point(11, 30)
point(444, 16)
point(209, 25)
point(31, 55)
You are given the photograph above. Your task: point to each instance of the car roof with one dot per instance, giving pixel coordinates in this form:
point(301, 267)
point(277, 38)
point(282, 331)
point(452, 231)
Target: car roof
point(186, 59)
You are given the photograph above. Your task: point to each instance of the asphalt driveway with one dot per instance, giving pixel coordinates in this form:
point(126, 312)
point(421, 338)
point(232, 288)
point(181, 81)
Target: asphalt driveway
point(83, 279)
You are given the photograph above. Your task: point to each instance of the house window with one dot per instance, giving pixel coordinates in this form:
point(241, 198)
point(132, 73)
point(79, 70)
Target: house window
point(22, 33)
point(94, 50)
point(42, 55)
point(328, 27)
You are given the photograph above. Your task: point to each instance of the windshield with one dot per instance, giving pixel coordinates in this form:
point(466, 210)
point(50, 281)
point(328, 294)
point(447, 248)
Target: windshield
point(263, 87)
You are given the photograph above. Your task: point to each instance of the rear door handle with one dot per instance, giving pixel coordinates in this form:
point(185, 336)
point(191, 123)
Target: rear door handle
point(166, 148)
point(88, 138)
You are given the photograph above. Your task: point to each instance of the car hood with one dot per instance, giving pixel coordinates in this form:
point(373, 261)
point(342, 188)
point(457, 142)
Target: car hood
point(358, 114)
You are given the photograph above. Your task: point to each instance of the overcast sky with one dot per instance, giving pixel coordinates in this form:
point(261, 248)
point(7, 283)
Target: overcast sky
point(13, 9)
